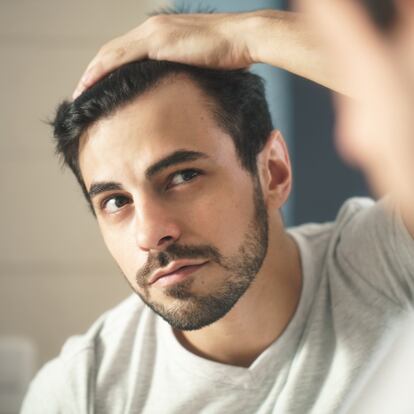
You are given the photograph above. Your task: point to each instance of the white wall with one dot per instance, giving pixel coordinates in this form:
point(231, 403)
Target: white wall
point(55, 275)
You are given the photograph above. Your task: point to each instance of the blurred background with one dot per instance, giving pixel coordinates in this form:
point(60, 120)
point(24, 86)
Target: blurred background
point(56, 276)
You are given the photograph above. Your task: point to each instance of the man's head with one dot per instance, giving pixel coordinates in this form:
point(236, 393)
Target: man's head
point(167, 156)
point(236, 99)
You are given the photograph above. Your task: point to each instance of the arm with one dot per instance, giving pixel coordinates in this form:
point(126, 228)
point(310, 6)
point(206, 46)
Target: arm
point(223, 41)
point(287, 40)
point(374, 131)
point(45, 395)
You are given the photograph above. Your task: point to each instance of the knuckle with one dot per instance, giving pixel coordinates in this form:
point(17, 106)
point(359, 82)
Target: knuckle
point(158, 22)
point(158, 19)
point(155, 54)
point(112, 49)
point(118, 52)
point(104, 49)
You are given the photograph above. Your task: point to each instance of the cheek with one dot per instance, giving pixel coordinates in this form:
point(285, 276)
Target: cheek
point(221, 220)
point(122, 247)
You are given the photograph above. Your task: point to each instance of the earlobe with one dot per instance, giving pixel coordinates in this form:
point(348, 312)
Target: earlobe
point(275, 170)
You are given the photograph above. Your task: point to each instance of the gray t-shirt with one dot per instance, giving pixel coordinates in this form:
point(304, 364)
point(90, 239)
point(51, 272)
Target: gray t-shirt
point(358, 283)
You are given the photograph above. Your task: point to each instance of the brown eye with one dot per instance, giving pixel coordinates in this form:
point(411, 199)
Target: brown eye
point(184, 176)
point(113, 204)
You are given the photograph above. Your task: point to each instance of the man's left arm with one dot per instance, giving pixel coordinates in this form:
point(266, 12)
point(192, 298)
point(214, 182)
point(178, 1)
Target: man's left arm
point(375, 131)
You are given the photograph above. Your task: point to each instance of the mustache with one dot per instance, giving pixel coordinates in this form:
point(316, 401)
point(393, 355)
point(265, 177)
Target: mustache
point(175, 252)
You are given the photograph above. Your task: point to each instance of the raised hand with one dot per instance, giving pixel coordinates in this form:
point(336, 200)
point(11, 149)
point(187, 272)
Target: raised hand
point(210, 40)
point(220, 41)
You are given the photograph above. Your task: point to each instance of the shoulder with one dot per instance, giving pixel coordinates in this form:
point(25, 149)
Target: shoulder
point(369, 246)
point(118, 322)
point(71, 379)
point(367, 230)
point(355, 215)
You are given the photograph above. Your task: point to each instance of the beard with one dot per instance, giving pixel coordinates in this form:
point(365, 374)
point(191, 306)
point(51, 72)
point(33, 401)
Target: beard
point(192, 311)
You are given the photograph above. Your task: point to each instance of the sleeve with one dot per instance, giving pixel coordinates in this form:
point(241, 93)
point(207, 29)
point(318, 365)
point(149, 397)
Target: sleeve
point(64, 385)
point(46, 393)
point(374, 244)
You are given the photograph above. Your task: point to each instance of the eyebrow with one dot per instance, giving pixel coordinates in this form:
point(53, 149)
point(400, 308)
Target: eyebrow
point(102, 187)
point(177, 157)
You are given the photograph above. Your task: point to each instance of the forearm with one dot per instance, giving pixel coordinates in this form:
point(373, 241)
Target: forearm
point(286, 40)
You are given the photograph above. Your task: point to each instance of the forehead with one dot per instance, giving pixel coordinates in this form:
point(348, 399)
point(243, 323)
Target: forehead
point(174, 115)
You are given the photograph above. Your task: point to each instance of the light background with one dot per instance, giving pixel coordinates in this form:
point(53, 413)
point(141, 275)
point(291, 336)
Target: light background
point(56, 276)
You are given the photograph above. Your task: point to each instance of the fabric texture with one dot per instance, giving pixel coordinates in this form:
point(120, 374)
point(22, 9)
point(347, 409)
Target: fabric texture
point(358, 284)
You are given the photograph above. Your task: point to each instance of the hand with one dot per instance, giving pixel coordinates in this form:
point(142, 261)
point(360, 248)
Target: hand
point(375, 131)
point(210, 40)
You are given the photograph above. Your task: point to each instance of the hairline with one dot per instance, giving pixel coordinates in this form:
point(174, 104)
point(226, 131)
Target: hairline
point(210, 102)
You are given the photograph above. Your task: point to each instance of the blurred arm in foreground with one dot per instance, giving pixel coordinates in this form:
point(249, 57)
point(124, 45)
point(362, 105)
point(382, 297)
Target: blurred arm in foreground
point(374, 130)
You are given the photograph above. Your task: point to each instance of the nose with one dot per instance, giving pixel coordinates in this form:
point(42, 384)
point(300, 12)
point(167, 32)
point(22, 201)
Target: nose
point(155, 226)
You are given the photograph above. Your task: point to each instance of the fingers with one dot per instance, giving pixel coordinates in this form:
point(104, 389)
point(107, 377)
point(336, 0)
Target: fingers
point(134, 45)
point(111, 56)
point(91, 75)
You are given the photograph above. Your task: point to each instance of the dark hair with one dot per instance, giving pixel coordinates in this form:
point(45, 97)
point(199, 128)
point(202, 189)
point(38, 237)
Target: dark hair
point(237, 97)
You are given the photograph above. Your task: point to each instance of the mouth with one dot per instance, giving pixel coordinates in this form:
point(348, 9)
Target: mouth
point(177, 274)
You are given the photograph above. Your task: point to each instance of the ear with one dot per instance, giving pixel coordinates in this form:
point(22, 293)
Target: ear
point(275, 170)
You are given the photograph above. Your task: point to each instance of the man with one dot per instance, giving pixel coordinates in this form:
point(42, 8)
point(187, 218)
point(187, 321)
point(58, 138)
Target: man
point(186, 178)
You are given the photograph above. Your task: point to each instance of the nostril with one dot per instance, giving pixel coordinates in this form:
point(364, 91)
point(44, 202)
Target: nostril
point(165, 239)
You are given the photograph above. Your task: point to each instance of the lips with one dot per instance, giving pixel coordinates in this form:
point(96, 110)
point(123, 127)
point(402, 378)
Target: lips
point(175, 272)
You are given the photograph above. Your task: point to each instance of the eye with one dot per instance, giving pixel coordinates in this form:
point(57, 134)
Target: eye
point(114, 203)
point(182, 177)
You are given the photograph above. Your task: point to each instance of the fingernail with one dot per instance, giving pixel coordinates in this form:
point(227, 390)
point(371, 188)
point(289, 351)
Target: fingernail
point(86, 77)
point(77, 92)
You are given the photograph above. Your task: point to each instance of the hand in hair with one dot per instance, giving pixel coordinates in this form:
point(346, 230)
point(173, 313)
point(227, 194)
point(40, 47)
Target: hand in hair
point(218, 40)
point(208, 40)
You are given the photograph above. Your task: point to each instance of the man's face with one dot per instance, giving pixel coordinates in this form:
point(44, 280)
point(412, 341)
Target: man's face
point(184, 221)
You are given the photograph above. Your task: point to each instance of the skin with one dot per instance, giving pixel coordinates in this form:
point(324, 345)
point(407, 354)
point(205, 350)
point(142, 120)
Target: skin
point(333, 43)
point(221, 40)
point(375, 131)
point(215, 208)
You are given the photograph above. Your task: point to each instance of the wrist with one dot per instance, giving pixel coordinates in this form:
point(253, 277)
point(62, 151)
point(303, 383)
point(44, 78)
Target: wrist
point(265, 29)
point(273, 35)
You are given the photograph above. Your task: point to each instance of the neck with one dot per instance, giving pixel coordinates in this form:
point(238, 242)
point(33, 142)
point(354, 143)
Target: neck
point(261, 314)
